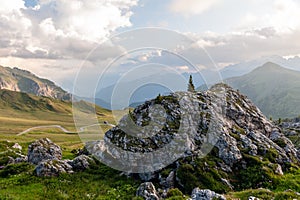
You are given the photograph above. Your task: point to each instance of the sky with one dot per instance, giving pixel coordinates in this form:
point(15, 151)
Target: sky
point(56, 38)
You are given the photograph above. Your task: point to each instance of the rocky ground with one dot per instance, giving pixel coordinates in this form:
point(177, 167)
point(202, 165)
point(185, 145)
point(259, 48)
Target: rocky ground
point(291, 129)
point(47, 158)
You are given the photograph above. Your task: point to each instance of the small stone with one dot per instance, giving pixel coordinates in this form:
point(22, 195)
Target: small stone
point(17, 146)
point(198, 194)
point(278, 170)
point(253, 198)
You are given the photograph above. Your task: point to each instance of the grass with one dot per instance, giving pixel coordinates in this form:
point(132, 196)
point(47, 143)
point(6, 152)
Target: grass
point(263, 194)
point(99, 182)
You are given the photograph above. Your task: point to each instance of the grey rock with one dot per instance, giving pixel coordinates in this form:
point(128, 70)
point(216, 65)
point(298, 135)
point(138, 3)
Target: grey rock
point(81, 163)
point(278, 170)
point(43, 149)
point(52, 168)
point(20, 159)
point(253, 198)
point(233, 125)
point(227, 183)
point(199, 194)
point(168, 182)
point(147, 191)
point(240, 116)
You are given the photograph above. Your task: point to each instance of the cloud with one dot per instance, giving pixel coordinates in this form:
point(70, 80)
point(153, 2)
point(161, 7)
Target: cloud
point(87, 20)
point(60, 33)
point(11, 6)
point(56, 29)
point(245, 45)
point(283, 16)
point(192, 7)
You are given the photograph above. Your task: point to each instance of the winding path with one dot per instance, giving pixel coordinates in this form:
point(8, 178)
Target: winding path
point(81, 129)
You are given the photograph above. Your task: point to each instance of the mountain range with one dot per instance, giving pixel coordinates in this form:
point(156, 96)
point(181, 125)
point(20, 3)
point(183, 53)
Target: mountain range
point(274, 89)
point(19, 80)
point(243, 68)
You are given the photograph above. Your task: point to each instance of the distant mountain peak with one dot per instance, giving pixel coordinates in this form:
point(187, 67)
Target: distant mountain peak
point(270, 66)
point(21, 80)
point(273, 88)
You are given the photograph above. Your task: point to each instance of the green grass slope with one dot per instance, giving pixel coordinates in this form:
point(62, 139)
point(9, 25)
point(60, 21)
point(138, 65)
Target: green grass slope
point(274, 89)
point(21, 111)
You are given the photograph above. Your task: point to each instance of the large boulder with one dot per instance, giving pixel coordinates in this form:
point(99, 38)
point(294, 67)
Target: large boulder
point(43, 149)
point(53, 168)
point(147, 191)
point(199, 194)
point(199, 134)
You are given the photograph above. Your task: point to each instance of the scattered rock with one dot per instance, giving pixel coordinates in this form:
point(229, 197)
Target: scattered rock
point(43, 149)
point(278, 170)
point(227, 183)
point(168, 182)
point(81, 163)
point(21, 158)
point(147, 191)
point(52, 168)
point(198, 194)
point(253, 198)
point(17, 147)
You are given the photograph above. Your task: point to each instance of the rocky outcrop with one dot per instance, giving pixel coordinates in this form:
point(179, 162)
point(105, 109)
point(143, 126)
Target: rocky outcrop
point(220, 125)
point(43, 149)
point(291, 129)
point(198, 194)
point(53, 168)
point(147, 191)
point(46, 155)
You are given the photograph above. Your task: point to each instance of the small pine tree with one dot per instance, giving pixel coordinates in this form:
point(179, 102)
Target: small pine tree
point(191, 87)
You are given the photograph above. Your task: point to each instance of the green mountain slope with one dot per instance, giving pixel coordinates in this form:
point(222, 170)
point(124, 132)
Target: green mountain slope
point(20, 111)
point(274, 89)
point(24, 81)
point(23, 102)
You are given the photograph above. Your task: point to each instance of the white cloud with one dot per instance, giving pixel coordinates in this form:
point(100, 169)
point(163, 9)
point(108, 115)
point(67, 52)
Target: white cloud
point(283, 16)
point(87, 20)
point(60, 28)
point(59, 33)
point(183, 68)
point(11, 6)
point(192, 7)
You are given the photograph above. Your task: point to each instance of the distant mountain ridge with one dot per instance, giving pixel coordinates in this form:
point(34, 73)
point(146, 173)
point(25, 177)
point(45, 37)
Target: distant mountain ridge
point(23, 102)
point(19, 80)
point(274, 89)
point(243, 68)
